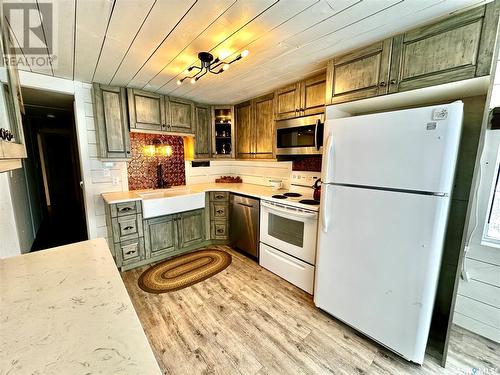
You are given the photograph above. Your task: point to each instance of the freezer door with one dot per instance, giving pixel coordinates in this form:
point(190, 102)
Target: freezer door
point(378, 263)
point(413, 149)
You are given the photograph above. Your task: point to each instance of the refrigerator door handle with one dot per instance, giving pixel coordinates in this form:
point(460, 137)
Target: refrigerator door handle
point(327, 159)
point(325, 220)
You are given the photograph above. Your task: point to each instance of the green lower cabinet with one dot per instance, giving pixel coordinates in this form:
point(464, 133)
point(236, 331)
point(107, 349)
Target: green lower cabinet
point(130, 251)
point(160, 235)
point(191, 228)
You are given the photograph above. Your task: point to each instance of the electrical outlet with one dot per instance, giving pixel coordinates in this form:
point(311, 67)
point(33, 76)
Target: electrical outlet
point(115, 180)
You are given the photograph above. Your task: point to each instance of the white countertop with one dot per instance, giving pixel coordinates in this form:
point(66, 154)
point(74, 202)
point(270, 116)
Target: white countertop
point(66, 311)
point(257, 191)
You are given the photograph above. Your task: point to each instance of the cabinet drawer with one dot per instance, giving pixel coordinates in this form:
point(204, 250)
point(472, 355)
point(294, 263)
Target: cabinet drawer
point(219, 229)
point(221, 196)
point(125, 208)
point(127, 226)
point(219, 210)
point(130, 251)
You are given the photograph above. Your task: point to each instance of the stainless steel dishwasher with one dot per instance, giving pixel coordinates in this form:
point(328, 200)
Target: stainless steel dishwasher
point(244, 226)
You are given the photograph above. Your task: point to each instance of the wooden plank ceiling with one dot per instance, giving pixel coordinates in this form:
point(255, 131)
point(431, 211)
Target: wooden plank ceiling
point(148, 44)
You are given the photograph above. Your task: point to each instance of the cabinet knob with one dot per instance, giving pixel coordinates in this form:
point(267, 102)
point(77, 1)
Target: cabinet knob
point(393, 82)
point(382, 84)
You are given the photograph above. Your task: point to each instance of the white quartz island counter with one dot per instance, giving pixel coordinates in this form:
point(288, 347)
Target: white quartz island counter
point(66, 311)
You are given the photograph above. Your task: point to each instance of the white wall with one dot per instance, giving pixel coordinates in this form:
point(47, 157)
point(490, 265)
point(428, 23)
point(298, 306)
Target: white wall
point(478, 301)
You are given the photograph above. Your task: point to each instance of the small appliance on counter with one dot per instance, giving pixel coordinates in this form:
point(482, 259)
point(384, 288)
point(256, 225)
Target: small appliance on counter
point(288, 231)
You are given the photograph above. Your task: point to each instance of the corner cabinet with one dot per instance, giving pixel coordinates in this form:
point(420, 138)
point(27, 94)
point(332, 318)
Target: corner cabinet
point(203, 131)
point(456, 48)
point(302, 98)
point(112, 131)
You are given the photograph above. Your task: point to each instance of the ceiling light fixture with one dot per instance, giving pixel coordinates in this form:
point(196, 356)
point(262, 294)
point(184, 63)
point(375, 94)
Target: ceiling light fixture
point(208, 64)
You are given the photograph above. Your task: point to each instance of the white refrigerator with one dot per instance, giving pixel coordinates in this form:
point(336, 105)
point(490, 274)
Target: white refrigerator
point(387, 180)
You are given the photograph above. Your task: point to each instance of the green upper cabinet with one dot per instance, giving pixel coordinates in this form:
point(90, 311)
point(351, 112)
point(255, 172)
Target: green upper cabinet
point(288, 101)
point(458, 48)
point(313, 95)
point(302, 98)
point(203, 140)
point(112, 132)
point(361, 74)
point(263, 108)
point(244, 130)
point(181, 115)
point(147, 110)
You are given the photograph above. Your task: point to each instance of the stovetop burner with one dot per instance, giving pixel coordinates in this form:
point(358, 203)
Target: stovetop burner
point(312, 202)
point(279, 196)
point(294, 195)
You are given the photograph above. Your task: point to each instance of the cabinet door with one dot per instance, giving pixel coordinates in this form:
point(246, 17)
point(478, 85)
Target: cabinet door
point(313, 95)
point(244, 144)
point(112, 132)
point(434, 54)
point(360, 74)
point(203, 131)
point(160, 235)
point(181, 115)
point(264, 126)
point(288, 102)
point(146, 110)
point(191, 226)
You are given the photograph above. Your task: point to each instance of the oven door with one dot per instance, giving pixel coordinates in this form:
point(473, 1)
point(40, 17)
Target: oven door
point(300, 136)
point(290, 230)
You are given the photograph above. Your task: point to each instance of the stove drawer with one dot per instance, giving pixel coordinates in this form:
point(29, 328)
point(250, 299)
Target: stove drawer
point(293, 270)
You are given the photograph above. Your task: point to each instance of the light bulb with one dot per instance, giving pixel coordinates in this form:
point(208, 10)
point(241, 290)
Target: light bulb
point(225, 67)
point(244, 53)
point(179, 82)
point(193, 80)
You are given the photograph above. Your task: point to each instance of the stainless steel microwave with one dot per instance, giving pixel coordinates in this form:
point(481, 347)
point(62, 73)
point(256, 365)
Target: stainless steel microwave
point(300, 136)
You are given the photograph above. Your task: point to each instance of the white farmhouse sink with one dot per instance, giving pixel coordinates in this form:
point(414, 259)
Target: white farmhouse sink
point(167, 202)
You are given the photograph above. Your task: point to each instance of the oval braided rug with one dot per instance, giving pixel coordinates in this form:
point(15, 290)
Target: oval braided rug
point(183, 271)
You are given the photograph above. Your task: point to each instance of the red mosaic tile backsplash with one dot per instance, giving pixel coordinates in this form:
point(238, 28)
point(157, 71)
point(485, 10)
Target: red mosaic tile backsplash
point(142, 168)
point(308, 163)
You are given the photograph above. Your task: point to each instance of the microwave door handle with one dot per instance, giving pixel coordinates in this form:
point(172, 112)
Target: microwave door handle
point(316, 132)
point(289, 211)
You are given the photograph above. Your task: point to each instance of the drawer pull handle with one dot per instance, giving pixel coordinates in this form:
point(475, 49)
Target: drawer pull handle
point(220, 230)
point(130, 252)
point(219, 196)
point(125, 209)
point(128, 228)
point(220, 211)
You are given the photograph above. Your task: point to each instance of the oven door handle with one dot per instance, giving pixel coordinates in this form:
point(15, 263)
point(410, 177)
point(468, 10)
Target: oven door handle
point(304, 215)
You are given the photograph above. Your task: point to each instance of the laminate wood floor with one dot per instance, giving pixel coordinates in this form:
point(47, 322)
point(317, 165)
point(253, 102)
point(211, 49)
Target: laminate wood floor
point(246, 320)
